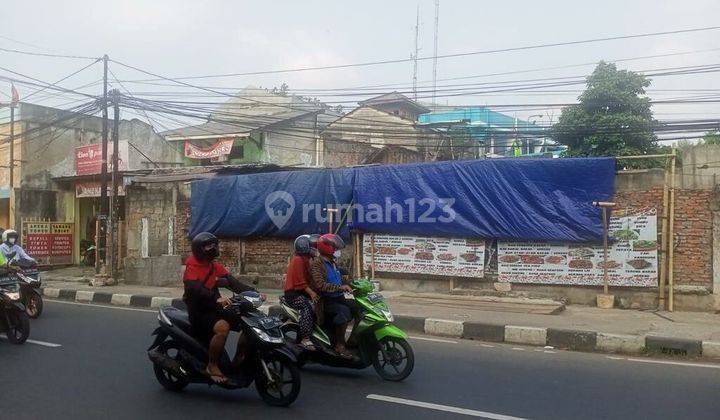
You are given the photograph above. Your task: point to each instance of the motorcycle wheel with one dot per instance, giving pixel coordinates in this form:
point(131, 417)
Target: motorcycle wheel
point(19, 328)
point(394, 359)
point(34, 305)
point(284, 388)
point(167, 379)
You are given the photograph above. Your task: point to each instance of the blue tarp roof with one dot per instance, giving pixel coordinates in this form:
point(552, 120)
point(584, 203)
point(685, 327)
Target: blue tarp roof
point(514, 199)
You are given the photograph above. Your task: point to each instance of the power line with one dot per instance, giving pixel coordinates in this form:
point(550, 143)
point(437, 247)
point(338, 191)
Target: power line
point(10, 50)
point(444, 56)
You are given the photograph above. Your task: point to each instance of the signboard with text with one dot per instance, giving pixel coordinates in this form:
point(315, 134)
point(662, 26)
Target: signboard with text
point(93, 188)
point(50, 243)
point(426, 255)
point(632, 256)
point(88, 159)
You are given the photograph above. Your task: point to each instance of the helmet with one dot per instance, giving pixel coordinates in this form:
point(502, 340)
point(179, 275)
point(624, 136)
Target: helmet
point(302, 244)
point(205, 246)
point(329, 243)
point(9, 233)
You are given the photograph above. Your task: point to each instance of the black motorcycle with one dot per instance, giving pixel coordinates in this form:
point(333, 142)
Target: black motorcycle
point(28, 277)
point(14, 322)
point(179, 359)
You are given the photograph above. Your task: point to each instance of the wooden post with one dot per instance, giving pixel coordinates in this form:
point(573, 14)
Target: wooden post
point(671, 236)
point(358, 255)
point(664, 240)
point(372, 256)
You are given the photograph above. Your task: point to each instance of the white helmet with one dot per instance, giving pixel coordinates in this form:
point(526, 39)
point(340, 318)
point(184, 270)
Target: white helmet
point(9, 233)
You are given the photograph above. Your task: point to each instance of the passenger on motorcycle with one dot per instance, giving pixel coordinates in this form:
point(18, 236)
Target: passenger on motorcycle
point(9, 246)
point(336, 310)
point(298, 293)
point(211, 324)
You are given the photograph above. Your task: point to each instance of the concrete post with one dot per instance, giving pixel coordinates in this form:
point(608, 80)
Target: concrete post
point(144, 238)
point(171, 235)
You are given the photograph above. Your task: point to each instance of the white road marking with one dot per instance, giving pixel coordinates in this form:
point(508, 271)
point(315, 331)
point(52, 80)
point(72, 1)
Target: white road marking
point(615, 358)
point(446, 408)
point(39, 343)
point(518, 348)
point(100, 306)
point(667, 362)
point(490, 346)
point(435, 340)
point(549, 351)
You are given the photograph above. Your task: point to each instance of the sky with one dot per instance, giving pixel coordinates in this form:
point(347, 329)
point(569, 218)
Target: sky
point(189, 38)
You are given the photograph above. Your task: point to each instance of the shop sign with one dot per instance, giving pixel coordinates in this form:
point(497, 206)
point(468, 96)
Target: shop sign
point(93, 188)
point(50, 243)
point(88, 159)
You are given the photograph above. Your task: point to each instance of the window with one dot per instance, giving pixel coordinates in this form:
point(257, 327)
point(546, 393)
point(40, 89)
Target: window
point(237, 152)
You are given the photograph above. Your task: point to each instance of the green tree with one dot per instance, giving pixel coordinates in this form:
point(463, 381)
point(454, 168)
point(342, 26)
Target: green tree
point(711, 137)
point(613, 117)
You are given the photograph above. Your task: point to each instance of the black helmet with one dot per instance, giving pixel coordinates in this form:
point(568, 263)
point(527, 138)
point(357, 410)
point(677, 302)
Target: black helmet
point(302, 244)
point(9, 233)
point(205, 246)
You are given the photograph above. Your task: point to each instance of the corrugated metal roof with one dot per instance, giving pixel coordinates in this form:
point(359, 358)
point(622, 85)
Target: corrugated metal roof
point(237, 126)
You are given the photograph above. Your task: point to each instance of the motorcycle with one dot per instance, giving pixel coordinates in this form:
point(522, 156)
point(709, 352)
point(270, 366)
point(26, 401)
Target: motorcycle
point(28, 277)
point(374, 340)
point(14, 321)
point(87, 252)
point(179, 359)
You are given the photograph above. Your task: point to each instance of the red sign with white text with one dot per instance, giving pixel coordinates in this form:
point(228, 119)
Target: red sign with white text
point(88, 159)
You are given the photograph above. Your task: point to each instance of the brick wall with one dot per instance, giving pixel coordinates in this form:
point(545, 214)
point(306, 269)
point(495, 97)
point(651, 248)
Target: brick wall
point(265, 256)
point(693, 230)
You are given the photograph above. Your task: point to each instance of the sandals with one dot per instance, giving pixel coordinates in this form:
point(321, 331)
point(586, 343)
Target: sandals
point(307, 345)
point(216, 379)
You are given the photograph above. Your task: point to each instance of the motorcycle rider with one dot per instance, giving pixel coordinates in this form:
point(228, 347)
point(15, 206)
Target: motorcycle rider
point(211, 324)
point(298, 293)
point(327, 281)
point(9, 245)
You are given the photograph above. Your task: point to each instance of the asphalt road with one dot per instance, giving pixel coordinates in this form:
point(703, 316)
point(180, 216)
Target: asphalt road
point(100, 370)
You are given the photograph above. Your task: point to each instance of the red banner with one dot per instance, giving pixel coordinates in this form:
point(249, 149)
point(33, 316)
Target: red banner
point(222, 147)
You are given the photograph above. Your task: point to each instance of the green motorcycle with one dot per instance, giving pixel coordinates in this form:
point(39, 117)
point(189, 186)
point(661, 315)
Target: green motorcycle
point(374, 339)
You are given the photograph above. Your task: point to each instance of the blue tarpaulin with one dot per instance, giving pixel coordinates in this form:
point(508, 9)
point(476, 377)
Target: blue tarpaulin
point(512, 199)
point(516, 199)
point(283, 204)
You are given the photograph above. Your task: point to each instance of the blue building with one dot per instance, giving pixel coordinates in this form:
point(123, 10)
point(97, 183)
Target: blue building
point(495, 133)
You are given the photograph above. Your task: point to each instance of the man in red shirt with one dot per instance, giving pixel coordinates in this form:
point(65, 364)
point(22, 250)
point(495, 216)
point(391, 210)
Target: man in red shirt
point(298, 293)
point(210, 323)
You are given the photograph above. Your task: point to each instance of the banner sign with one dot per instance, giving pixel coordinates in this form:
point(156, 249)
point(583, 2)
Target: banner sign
point(50, 243)
point(632, 256)
point(426, 255)
point(88, 159)
point(222, 147)
point(93, 188)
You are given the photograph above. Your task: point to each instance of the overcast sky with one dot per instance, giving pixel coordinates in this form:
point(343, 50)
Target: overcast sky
point(185, 38)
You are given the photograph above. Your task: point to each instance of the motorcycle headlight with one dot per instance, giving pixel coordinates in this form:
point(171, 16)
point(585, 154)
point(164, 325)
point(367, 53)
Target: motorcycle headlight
point(13, 295)
point(266, 337)
point(388, 315)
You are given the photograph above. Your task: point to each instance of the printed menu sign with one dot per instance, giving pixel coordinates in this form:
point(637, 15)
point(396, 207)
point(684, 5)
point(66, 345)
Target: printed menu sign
point(426, 255)
point(632, 256)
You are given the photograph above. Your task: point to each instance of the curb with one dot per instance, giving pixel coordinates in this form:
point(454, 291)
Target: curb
point(115, 299)
point(578, 340)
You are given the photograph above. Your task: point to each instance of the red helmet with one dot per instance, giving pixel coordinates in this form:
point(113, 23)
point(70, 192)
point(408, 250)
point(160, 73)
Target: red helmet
point(329, 243)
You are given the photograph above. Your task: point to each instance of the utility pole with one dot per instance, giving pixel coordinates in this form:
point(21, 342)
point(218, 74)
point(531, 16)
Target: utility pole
point(113, 216)
point(415, 55)
point(435, 51)
point(11, 192)
point(101, 225)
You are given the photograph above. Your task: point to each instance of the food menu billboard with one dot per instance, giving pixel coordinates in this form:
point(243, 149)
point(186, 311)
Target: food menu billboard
point(426, 255)
point(48, 242)
point(632, 256)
